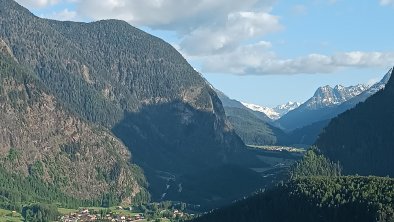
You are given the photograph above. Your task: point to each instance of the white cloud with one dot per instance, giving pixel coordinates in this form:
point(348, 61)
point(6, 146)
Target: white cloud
point(386, 2)
point(168, 14)
point(257, 59)
point(238, 27)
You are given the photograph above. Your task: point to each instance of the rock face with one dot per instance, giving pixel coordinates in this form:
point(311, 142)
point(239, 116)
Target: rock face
point(130, 82)
point(40, 137)
point(326, 96)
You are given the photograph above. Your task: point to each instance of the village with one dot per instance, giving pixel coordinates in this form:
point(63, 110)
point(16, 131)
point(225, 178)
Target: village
point(120, 214)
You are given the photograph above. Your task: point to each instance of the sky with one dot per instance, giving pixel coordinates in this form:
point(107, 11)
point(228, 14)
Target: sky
point(266, 52)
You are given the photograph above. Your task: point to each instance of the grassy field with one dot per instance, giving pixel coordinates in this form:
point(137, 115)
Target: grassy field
point(9, 216)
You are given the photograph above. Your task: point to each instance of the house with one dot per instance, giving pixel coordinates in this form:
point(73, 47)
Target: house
point(84, 211)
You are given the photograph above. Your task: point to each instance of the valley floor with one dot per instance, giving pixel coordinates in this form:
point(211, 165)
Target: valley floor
point(277, 159)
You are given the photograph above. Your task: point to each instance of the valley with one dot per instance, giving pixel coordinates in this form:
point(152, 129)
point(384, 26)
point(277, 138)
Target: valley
point(124, 119)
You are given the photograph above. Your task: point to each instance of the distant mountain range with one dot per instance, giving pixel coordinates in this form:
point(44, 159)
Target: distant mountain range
point(320, 106)
point(273, 113)
point(294, 123)
point(327, 97)
point(327, 103)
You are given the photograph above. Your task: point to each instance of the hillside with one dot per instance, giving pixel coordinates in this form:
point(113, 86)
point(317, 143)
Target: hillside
point(134, 84)
point(252, 126)
point(232, 103)
point(251, 129)
point(304, 136)
point(350, 199)
point(361, 139)
point(49, 153)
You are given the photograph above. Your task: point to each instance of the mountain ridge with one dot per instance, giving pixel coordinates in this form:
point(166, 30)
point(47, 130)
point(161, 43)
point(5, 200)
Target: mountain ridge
point(133, 84)
point(325, 104)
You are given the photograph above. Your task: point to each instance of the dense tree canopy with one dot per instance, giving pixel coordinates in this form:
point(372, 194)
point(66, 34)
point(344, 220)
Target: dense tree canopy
point(361, 139)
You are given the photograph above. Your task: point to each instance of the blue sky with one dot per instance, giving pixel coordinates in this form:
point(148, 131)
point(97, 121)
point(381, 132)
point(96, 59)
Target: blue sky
point(265, 52)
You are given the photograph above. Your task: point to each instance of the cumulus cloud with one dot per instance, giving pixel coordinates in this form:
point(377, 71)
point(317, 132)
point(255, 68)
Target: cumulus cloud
point(257, 59)
point(168, 14)
point(220, 38)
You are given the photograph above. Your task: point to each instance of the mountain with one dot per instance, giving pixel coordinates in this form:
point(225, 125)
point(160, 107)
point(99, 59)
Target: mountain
point(252, 126)
point(251, 129)
point(322, 106)
point(353, 199)
point(273, 113)
point(285, 108)
point(366, 94)
point(120, 78)
point(326, 96)
point(232, 103)
point(314, 191)
point(256, 127)
point(361, 139)
point(51, 154)
point(228, 102)
point(304, 136)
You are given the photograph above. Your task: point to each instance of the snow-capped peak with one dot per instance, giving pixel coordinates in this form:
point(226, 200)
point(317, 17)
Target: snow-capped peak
point(273, 113)
point(287, 107)
point(326, 96)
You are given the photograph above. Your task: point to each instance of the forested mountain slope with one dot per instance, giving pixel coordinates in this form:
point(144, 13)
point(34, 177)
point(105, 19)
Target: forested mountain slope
point(252, 129)
point(137, 85)
point(252, 126)
point(315, 191)
point(49, 153)
point(361, 139)
point(340, 199)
